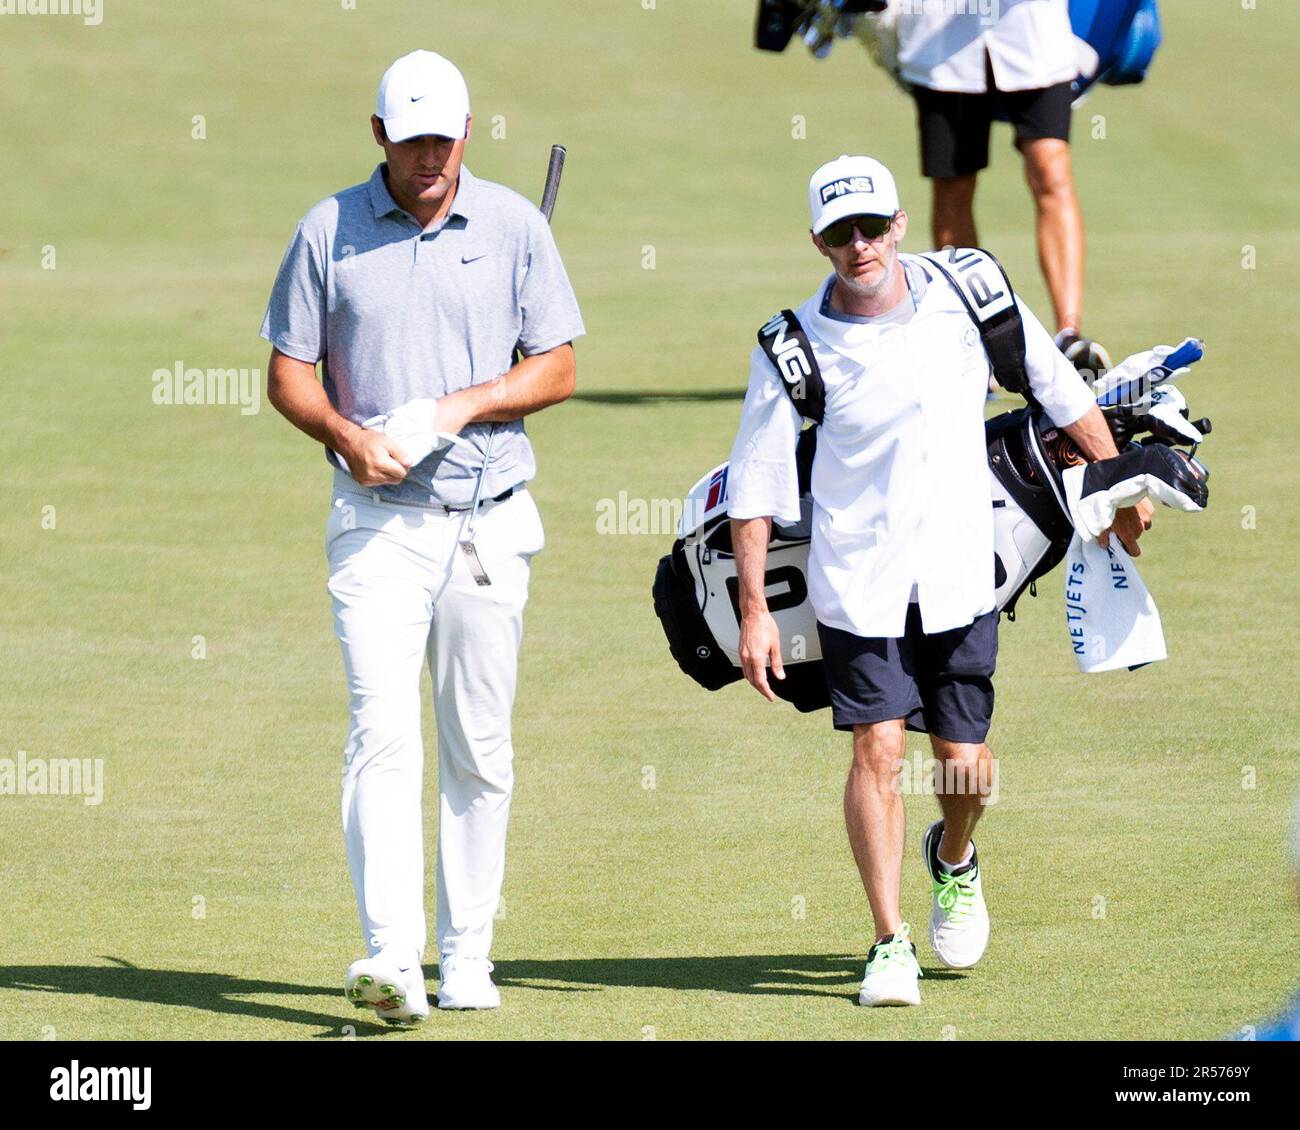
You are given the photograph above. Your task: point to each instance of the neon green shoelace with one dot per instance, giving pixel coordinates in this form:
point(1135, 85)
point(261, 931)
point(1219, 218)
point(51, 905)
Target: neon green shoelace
point(900, 949)
point(955, 893)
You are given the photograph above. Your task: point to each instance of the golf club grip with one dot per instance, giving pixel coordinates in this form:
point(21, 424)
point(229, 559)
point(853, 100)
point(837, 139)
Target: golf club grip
point(554, 170)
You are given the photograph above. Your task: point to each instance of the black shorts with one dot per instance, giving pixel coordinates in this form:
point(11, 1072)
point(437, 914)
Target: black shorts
point(940, 684)
point(955, 127)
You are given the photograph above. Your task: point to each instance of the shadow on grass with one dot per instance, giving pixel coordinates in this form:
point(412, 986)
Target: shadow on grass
point(688, 396)
point(213, 992)
point(221, 993)
point(813, 975)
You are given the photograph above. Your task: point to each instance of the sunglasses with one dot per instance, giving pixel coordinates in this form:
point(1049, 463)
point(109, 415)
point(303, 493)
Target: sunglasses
point(841, 232)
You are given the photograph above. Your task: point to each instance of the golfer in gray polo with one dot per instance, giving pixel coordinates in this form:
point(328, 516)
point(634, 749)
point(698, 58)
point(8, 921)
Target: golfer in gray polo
point(412, 292)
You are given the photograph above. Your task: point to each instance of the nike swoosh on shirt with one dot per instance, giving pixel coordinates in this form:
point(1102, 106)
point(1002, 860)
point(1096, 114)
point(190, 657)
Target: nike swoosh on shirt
point(472, 257)
point(416, 97)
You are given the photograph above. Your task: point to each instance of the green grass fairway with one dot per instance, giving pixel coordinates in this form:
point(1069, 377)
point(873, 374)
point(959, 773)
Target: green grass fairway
point(1135, 865)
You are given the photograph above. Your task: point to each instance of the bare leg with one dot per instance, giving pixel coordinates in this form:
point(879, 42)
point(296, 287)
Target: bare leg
point(966, 777)
point(1060, 226)
point(873, 815)
point(952, 217)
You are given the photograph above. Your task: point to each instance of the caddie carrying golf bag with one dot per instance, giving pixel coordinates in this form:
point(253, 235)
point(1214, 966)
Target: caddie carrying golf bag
point(1115, 40)
point(696, 590)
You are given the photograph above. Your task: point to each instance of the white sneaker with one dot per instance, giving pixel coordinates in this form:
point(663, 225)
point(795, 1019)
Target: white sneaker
point(396, 992)
point(893, 976)
point(959, 920)
point(466, 983)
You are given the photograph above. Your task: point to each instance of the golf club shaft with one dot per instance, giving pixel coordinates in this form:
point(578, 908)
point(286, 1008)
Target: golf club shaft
point(551, 190)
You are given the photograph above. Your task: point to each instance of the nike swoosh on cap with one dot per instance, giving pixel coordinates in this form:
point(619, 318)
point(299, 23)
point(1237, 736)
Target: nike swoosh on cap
point(416, 97)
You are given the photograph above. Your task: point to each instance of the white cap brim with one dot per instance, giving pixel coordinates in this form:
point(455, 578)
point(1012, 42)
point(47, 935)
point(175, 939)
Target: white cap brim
point(425, 121)
point(837, 210)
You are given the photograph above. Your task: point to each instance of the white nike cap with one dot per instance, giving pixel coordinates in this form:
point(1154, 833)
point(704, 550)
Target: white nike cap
point(423, 93)
point(850, 186)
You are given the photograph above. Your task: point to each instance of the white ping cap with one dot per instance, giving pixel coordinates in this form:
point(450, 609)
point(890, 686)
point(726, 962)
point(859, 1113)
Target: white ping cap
point(850, 186)
point(423, 93)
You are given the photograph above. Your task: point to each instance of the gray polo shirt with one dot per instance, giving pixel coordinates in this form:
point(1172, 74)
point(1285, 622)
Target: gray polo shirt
point(393, 312)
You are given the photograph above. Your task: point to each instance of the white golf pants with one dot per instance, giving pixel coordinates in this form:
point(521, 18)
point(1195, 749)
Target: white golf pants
point(403, 593)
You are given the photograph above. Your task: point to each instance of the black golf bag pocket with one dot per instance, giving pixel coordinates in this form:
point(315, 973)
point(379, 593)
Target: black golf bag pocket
point(690, 640)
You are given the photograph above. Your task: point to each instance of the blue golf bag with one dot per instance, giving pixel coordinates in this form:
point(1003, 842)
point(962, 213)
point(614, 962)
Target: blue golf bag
point(1124, 33)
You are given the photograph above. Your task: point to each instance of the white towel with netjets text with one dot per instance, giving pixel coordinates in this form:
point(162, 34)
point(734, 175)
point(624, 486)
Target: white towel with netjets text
point(1112, 619)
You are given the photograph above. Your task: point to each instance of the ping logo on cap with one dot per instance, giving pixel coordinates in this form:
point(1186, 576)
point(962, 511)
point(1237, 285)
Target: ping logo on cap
point(846, 185)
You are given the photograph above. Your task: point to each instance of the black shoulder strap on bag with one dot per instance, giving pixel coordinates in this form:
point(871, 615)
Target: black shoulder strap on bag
point(786, 345)
point(985, 289)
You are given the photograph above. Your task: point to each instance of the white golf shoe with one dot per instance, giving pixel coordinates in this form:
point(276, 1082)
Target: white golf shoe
point(959, 920)
point(893, 976)
point(466, 983)
point(395, 991)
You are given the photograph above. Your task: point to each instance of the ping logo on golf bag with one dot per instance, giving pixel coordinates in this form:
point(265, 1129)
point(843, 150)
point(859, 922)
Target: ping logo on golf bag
point(785, 587)
point(845, 185)
point(971, 275)
point(783, 339)
point(789, 353)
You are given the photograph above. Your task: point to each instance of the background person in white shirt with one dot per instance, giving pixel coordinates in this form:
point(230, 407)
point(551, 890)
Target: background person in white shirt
point(900, 570)
point(966, 63)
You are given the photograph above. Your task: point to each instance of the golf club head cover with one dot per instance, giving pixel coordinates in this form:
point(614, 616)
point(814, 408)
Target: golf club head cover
point(1169, 413)
point(1128, 385)
point(1096, 491)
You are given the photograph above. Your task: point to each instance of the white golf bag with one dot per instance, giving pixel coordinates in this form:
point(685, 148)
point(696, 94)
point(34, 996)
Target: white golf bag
point(696, 592)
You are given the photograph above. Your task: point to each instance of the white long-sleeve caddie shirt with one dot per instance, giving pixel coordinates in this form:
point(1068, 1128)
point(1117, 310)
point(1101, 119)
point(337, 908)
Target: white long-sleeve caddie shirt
point(900, 479)
point(1029, 43)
